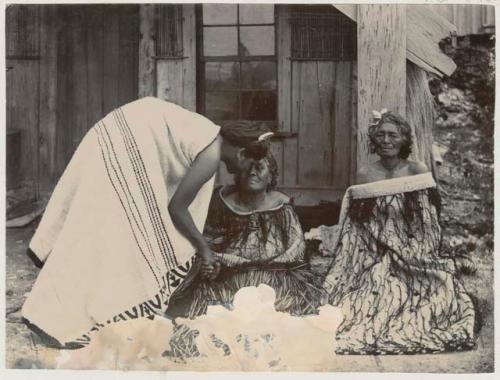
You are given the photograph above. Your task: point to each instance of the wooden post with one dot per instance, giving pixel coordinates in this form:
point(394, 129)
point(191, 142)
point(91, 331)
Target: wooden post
point(381, 66)
point(147, 76)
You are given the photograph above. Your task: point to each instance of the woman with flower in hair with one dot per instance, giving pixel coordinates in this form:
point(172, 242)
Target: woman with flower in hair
point(398, 293)
point(390, 137)
point(257, 239)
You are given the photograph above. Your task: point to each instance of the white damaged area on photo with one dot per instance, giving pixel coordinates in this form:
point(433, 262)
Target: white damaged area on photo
point(252, 336)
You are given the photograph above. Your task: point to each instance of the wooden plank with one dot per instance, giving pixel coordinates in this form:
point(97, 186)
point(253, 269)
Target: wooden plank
point(77, 101)
point(111, 58)
point(444, 10)
point(435, 27)
point(354, 123)
point(22, 110)
point(128, 53)
point(425, 28)
point(48, 98)
point(329, 94)
point(311, 196)
point(64, 80)
point(189, 62)
point(22, 30)
point(489, 15)
point(424, 65)
point(284, 68)
point(381, 39)
point(95, 64)
point(342, 120)
point(23, 81)
point(146, 50)
point(315, 149)
point(170, 80)
point(291, 145)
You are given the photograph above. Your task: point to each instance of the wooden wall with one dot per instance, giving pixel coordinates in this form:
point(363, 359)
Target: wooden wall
point(166, 73)
point(23, 95)
point(87, 66)
point(316, 117)
point(468, 18)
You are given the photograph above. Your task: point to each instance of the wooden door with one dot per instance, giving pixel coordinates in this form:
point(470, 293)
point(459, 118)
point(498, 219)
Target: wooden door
point(317, 101)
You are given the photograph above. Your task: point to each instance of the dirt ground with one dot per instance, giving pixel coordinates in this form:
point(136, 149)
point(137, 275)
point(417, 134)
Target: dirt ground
point(24, 349)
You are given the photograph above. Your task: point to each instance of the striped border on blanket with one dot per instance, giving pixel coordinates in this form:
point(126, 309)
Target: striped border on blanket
point(154, 306)
point(147, 191)
point(120, 186)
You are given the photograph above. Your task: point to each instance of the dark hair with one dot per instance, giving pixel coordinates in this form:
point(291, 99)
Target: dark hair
point(273, 171)
point(403, 127)
point(245, 134)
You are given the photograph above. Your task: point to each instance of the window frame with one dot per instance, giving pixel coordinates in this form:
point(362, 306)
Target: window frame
point(240, 59)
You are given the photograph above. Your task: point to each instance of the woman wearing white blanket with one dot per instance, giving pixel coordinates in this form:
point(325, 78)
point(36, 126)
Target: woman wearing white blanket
point(123, 223)
point(398, 294)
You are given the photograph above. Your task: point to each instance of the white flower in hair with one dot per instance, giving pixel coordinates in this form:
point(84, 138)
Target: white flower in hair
point(377, 115)
point(265, 136)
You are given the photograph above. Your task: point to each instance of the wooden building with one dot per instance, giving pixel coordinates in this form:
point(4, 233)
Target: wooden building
point(468, 19)
point(311, 72)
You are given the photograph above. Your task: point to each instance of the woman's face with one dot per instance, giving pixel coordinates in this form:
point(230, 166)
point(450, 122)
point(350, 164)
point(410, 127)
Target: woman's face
point(256, 177)
point(388, 140)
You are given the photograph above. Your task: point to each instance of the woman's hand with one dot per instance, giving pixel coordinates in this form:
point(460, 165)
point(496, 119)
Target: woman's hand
point(210, 267)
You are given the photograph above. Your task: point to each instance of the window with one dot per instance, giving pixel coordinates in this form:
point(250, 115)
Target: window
point(237, 70)
point(320, 32)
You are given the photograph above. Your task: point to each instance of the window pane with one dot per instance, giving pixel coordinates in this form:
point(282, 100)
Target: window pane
point(257, 40)
point(257, 13)
point(222, 106)
point(221, 41)
point(220, 14)
point(258, 75)
point(258, 105)
point(222, 75)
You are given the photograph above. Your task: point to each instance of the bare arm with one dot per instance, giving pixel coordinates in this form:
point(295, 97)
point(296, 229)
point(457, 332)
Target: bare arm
point(202, 169)
point(362, 176)
point(418, 167)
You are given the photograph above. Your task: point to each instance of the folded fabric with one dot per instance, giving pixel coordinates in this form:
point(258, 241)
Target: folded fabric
point(398, 293)
point(110, 249)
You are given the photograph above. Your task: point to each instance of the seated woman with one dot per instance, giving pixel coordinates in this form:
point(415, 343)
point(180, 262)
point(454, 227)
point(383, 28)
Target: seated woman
point(257, 239)
point(397, 293)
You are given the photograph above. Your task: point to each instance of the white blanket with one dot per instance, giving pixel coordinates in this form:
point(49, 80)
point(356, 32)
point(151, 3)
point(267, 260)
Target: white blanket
point(110, 249)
